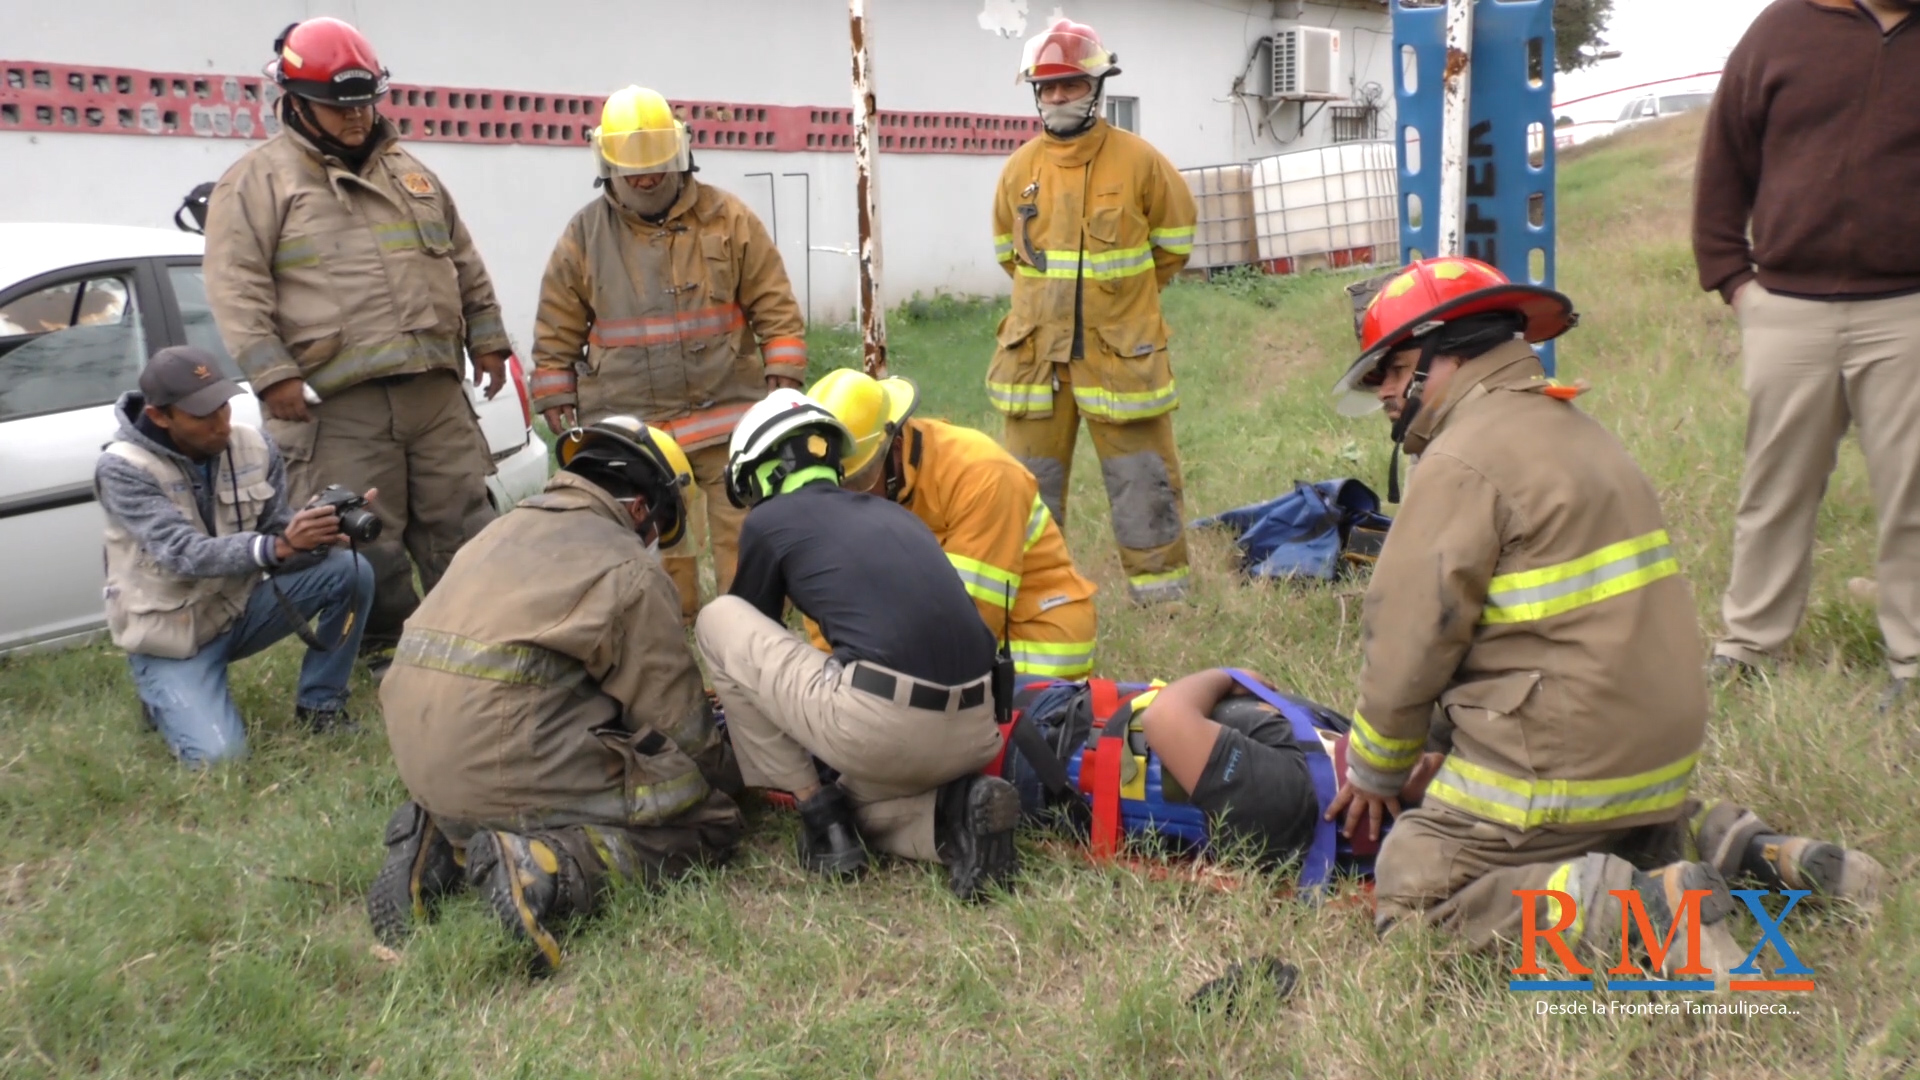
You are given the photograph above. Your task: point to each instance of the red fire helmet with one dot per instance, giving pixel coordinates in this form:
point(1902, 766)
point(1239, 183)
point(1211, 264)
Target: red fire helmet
point(1432, 292)
point(1066, 50)
point(328, 61)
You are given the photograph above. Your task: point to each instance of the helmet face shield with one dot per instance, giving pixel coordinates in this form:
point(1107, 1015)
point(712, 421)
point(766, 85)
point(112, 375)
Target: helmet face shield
point(636, 153)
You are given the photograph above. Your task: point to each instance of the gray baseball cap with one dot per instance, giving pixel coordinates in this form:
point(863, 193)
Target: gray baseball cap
point(188, 379)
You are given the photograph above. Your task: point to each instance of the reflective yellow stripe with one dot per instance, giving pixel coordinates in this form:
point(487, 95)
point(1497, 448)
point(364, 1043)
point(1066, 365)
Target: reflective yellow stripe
point(1036, 522)
point(1527, 804)
point(1095, 266)
point(1003, 247)
point(1149, 587)
point(1070, 660)
point(1388, 755)
point(1007, 396)
point(985, 582)
point(1562, 880)
point(1179, 241)
point(1126, 405)
point(1553, 590)
point(520, 665)
point(485, 327)
point(296, 253)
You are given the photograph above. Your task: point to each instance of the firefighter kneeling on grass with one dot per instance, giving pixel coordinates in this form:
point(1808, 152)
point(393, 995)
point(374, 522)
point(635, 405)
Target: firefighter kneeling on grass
point(1529, 590)
point(901, 707)
point(985, 509)
point(550, 725)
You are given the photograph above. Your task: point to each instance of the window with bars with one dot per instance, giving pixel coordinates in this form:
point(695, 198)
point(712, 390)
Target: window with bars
point(1355, 123)
point(1124, 113)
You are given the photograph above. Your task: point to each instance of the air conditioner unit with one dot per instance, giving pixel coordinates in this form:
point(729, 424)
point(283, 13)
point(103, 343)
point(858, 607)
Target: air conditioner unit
point(1306, 64)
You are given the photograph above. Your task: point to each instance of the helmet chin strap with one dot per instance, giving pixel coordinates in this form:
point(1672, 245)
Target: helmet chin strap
point(1411, 398)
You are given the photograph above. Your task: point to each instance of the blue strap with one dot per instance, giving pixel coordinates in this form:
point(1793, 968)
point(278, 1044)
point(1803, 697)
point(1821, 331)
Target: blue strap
point(1316, 870)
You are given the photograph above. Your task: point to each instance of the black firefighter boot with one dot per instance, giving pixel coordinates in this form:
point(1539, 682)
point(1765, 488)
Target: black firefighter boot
point(421, 868)
point(1733, 840)
point(973, 822)
point(530, 881)
point(829, 843)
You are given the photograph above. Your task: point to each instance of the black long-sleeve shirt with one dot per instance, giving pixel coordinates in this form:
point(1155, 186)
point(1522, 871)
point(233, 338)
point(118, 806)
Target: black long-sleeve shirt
point(872, 575)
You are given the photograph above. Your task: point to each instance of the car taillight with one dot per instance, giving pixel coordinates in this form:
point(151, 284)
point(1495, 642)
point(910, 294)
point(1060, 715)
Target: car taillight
point(520, 388)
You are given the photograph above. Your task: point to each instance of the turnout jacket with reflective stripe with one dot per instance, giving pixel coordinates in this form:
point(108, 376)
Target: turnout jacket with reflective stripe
point(515, 693)
point(661, 321)
point(316, 272)
point(1530, 589)
point(985, 509)
point(1107, 216)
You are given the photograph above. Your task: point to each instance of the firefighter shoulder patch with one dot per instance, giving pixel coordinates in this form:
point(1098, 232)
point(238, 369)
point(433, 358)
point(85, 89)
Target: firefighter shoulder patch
point(417, 183)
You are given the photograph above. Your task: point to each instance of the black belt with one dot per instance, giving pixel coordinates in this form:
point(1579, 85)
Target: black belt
point(919, 695)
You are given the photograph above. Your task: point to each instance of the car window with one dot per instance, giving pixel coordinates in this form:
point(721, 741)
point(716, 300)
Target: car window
point(196, 315)
point(1679, 103)
point(70, 345)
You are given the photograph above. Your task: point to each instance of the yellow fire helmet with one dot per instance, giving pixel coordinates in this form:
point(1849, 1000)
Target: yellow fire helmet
point(645, 457)
point(638, 134)
point(874, 410)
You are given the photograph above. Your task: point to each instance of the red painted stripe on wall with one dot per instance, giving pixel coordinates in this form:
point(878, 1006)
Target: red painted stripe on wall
point(42, 97)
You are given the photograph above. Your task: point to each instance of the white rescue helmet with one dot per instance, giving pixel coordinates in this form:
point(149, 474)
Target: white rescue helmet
point(784, 434)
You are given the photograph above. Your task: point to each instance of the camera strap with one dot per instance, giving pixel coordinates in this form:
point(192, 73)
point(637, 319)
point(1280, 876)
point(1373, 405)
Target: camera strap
point(306, 633)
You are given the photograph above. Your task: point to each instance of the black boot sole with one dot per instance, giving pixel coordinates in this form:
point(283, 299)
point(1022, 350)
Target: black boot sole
point(509, 901)
point(987, 856)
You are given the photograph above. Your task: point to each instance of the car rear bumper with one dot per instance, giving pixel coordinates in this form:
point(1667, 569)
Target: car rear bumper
point(519, 474)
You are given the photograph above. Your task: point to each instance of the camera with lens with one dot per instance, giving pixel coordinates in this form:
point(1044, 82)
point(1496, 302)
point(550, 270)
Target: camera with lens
point(357, 523)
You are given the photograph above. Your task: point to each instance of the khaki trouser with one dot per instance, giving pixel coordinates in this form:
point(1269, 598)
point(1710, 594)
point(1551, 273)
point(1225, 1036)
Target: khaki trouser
point(1457, 872)
point(417, 440)
point(723, 530)
point(1141, 466)
point(604, 846)
point(1810, 368)
point(787, 703)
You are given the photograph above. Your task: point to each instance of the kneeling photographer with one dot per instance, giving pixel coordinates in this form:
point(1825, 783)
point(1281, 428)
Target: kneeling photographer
point(206, 563)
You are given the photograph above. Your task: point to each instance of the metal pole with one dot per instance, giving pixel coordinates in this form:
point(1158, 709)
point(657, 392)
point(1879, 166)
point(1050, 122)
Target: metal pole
point(873, 317)
point(1455, 122)
point(773, 204)
point(806, 241)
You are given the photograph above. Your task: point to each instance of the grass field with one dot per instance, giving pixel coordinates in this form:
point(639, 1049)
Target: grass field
point(159, 923)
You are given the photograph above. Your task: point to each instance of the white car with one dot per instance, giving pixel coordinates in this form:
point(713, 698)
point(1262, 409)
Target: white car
point(81, 308)
point(1658, 106)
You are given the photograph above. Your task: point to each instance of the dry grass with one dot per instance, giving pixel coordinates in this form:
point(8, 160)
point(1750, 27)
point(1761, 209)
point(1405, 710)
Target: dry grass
point(155, 923)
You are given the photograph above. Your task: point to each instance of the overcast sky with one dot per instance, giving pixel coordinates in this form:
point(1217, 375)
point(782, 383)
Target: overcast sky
point(1657, 39)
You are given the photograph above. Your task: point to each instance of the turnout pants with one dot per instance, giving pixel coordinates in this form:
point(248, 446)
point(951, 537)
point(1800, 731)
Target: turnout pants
point(723, 520)
point(1141, 467)
point(1056, 643)
point(1811, 368)
point(606, 846)
point(1457, 872)
point(787, 702)
point(414, 437)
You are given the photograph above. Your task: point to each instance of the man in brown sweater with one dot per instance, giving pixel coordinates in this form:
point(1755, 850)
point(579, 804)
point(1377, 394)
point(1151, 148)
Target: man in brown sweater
point(1811, 141)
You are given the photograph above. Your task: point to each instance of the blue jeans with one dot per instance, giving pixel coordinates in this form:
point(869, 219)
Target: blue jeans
point(188, 700)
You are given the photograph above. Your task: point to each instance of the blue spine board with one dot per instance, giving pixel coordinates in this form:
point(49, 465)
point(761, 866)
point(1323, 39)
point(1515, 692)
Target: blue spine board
point(1501, 182)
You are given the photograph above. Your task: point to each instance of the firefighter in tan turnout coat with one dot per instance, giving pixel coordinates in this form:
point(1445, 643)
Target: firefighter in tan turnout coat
point(666, 299)
point(551, 728)
point(336, 263)
point(1530, 591)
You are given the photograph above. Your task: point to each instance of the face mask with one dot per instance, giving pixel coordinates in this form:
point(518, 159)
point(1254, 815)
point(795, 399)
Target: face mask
point(648, 204)
point(1069, 118)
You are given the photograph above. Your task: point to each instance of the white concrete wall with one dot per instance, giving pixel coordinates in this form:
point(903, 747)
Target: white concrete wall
point(1179, 59)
